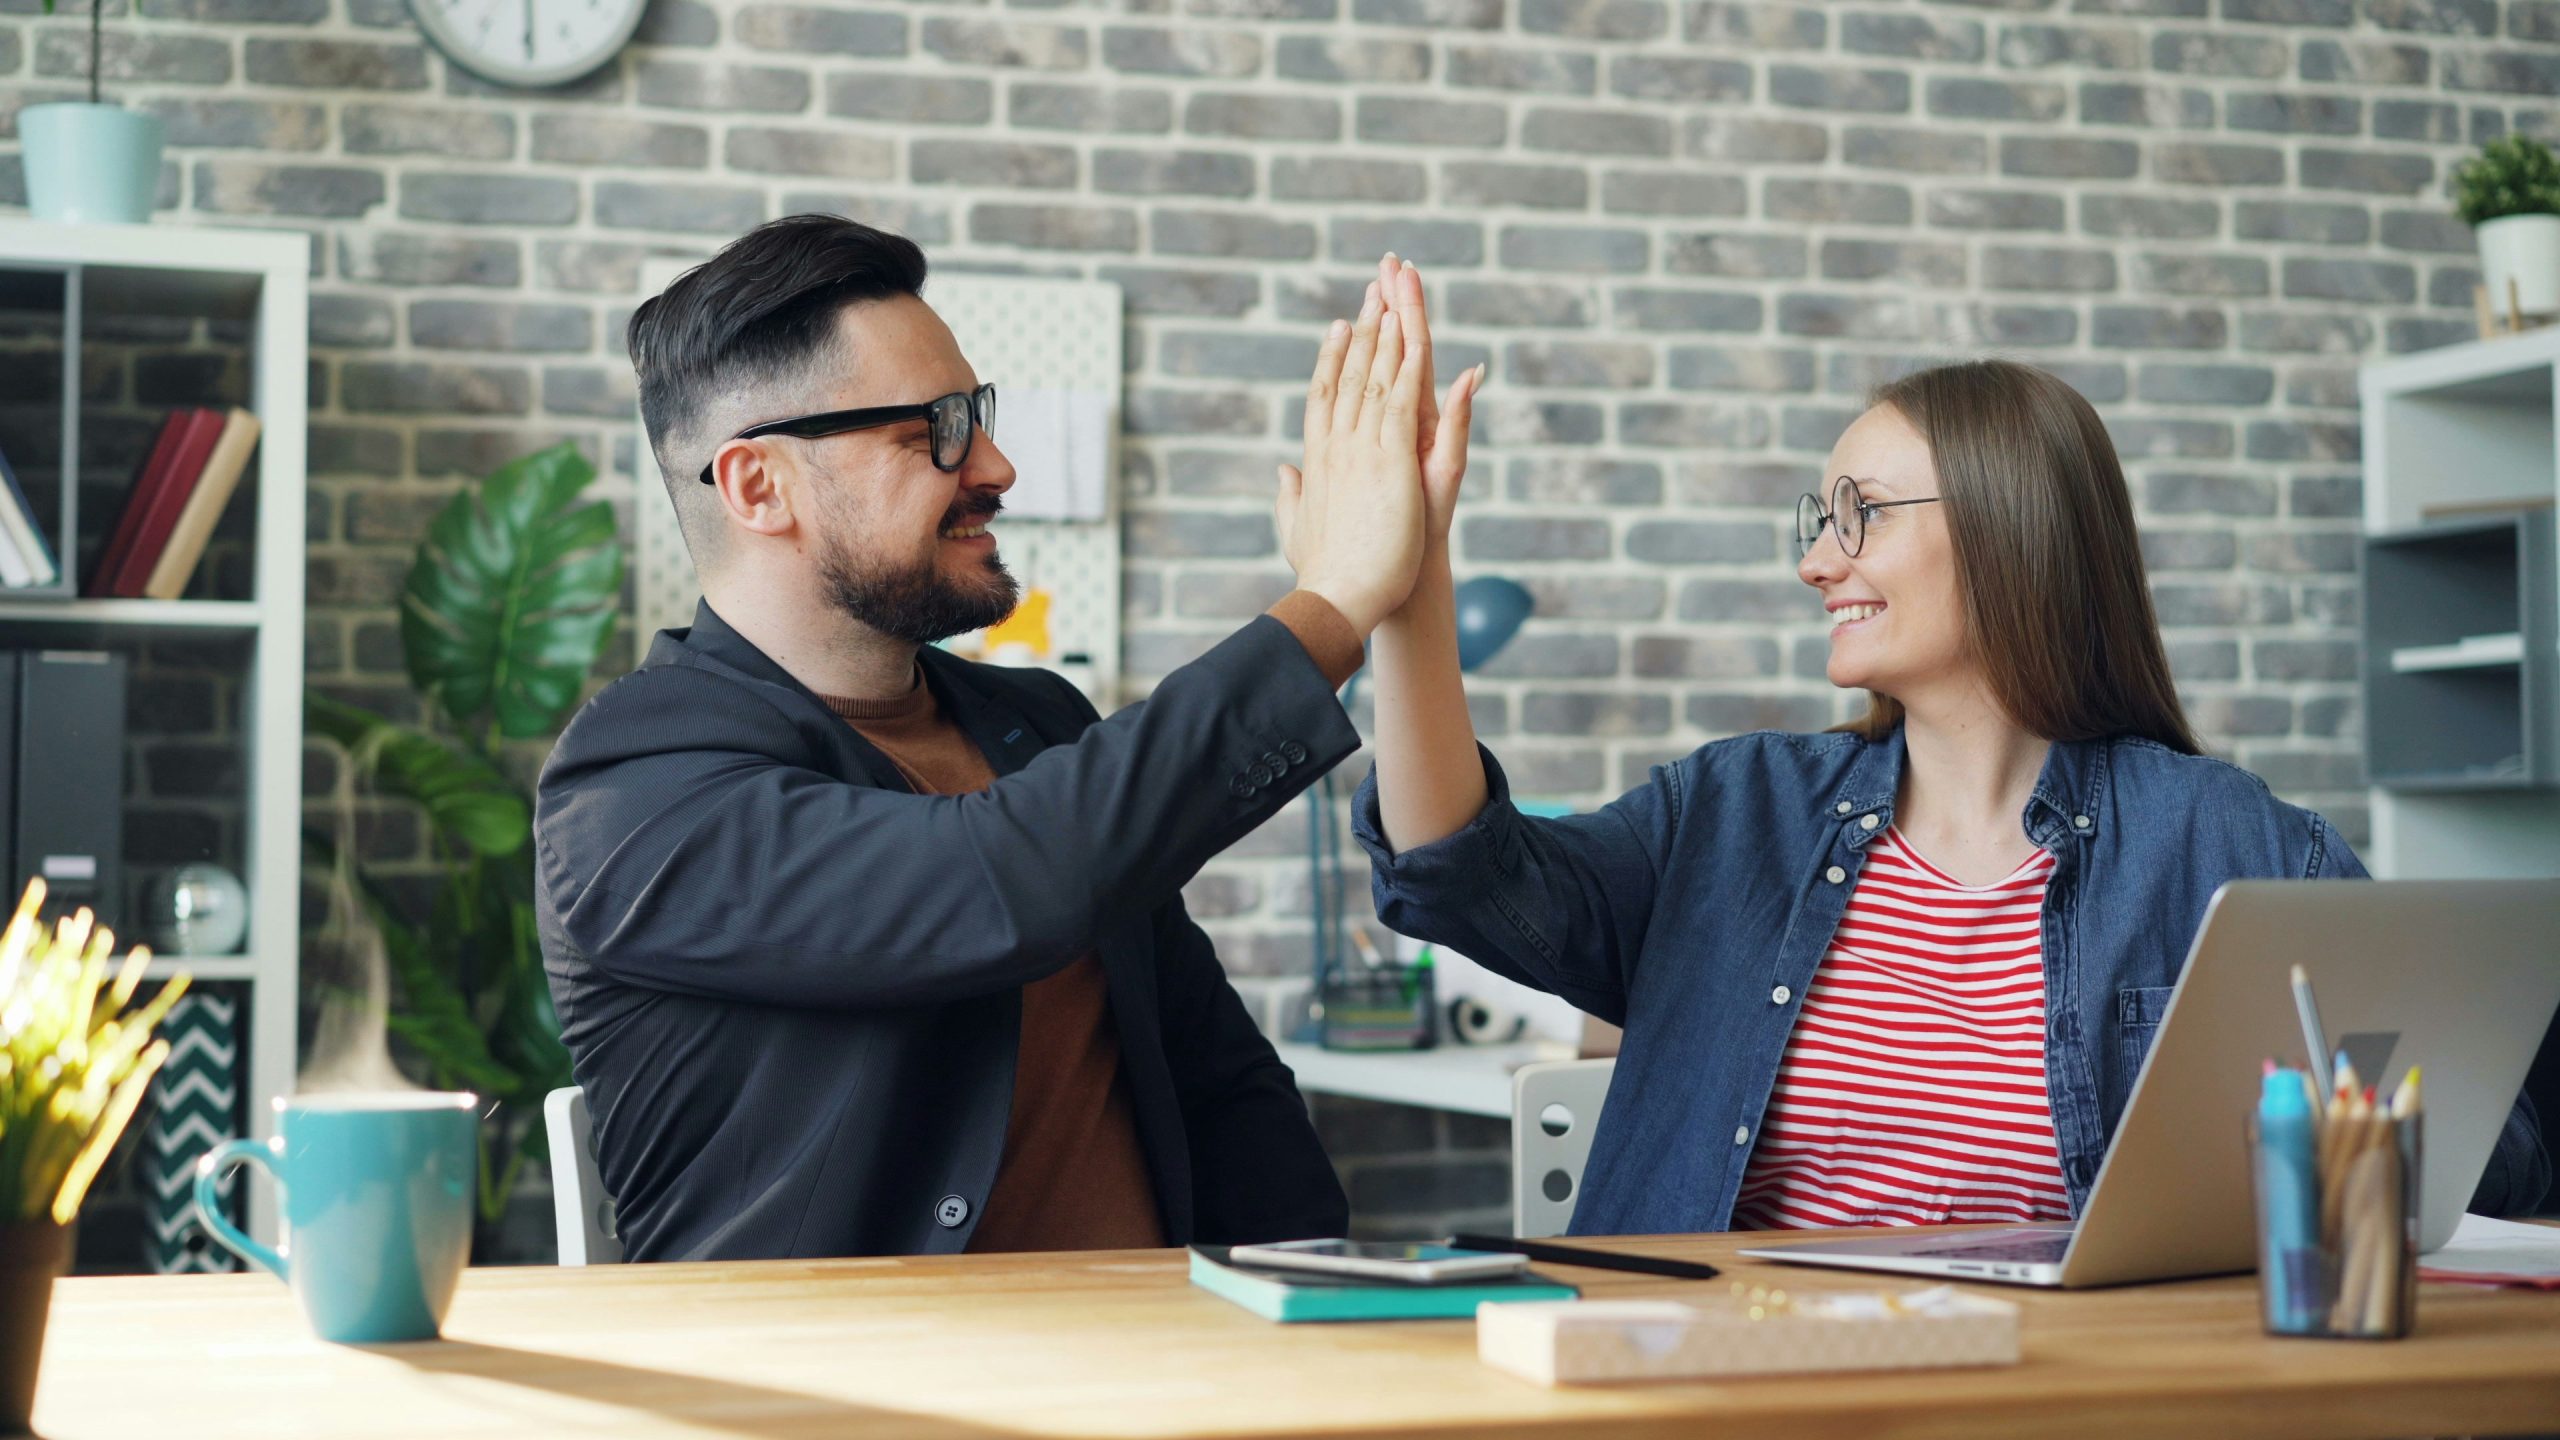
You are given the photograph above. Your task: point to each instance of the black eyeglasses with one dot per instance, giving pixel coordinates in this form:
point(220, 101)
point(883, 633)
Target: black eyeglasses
point(1850, 510)
point(957, 420)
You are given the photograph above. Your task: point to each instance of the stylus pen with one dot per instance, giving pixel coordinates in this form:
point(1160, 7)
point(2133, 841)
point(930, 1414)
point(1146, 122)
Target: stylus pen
point(2312, 1035)
point(1596, 1259)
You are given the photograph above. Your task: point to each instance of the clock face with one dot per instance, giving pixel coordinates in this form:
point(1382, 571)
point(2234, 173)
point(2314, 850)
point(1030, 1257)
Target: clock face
point(528, 42)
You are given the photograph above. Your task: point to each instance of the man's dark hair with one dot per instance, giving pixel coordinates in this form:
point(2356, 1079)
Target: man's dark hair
point(760, 312)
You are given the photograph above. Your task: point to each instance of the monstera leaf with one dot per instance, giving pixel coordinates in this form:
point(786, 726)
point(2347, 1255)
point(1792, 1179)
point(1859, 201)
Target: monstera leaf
point(513, 595)
point(465, 797)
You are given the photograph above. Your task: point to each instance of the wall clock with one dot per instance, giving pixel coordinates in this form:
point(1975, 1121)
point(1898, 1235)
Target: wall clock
point(528, 43)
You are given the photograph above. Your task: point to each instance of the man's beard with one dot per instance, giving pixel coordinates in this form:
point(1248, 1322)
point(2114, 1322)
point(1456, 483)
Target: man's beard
point(916, 603)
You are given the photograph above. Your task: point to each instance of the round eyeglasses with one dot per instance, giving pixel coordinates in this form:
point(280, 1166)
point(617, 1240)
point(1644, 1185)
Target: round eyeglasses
point(956, 418)
point(1851, 513)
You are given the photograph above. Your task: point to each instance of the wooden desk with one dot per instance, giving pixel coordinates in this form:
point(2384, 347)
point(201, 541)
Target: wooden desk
point(1120, 1344)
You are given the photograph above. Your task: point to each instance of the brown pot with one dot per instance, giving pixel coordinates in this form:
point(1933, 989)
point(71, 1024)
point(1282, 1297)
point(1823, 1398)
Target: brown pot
point(32, 1252)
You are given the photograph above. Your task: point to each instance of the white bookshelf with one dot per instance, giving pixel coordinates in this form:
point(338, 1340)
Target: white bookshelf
point(259, 279)
point(2451, 437)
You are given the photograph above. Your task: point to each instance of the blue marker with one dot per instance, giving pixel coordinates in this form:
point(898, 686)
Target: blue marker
point(2288, 1205)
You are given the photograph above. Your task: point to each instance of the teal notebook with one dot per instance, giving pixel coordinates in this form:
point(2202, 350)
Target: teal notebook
point(1311, 1296)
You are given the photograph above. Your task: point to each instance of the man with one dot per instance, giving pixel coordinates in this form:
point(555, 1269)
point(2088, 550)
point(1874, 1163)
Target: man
point(860, 948)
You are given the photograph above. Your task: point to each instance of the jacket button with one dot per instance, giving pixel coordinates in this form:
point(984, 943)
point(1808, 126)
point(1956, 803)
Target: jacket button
point(1242, 788)
point(2079, 822)
point(1293, 752)
point(1781, 995)
point(952, 1213)
point(1842, 808)
point(1276, 763)
point(1868, 822)
point(1835, 874)
point(1259, 776)
point(1741, 1134)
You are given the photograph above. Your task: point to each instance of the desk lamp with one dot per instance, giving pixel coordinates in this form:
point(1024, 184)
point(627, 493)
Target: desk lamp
point(1491, 609)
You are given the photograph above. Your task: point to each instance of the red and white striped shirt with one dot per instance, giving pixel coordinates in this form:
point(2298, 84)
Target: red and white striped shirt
point(1912, 1091)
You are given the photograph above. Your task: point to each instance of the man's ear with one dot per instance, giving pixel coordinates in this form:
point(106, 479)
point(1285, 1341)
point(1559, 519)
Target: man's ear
point(756, 485)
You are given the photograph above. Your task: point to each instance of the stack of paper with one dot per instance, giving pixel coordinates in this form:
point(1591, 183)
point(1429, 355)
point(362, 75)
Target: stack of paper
point(1060, 444)
point(2496, 1252)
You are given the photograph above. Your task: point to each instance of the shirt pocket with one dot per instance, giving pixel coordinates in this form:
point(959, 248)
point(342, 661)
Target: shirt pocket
point(2138, 1012)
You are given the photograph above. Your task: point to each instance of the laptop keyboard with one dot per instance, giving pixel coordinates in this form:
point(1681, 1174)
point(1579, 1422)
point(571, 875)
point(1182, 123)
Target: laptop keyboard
point(2033, 1249)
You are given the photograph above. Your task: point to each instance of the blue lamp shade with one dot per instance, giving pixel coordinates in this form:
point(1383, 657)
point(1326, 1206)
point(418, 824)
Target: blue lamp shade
point(1490, 611)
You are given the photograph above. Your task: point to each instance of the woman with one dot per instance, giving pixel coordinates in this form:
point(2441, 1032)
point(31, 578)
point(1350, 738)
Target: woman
point(1902, 972)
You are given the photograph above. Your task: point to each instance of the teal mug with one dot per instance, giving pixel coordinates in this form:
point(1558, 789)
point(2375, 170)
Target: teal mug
point(375, 1192)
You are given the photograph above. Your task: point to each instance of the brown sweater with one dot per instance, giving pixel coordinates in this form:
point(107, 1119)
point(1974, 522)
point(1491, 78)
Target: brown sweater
point(1072, 1176)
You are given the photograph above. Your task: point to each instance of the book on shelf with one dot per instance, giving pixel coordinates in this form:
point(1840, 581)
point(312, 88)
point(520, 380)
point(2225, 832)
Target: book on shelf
point(147, 482)
point(162, 496)
point(209, 493)
point(25, 537)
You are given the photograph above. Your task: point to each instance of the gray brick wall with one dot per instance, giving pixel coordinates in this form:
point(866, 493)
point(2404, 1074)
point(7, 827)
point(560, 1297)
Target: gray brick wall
point(1688, 236)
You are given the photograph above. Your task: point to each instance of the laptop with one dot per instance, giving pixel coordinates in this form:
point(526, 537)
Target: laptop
point(2456, 976)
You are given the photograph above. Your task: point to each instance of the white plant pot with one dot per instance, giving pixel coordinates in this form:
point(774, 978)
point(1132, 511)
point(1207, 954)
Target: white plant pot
point(89, 163)
point(2526, 249)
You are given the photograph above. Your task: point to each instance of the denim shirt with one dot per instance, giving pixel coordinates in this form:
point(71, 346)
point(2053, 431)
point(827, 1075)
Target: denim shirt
point(1693, 910)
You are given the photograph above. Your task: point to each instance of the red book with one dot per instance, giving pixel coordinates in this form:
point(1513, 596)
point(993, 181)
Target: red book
point(186, 463)
point(136, 500)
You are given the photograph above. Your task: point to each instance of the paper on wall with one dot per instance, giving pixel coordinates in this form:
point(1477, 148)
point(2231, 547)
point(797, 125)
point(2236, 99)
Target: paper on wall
point(1060, 444)
point(2496, 1252)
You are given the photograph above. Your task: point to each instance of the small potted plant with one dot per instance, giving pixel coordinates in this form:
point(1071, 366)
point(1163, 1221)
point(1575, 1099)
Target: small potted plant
point(90, 160)
point(2509, 194)
point(74, 1063)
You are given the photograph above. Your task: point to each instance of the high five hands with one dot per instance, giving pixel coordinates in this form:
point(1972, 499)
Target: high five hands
point(1383, 459)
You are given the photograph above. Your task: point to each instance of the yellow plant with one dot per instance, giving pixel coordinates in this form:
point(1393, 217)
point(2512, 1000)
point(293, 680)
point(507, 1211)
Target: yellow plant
point(74, 1062)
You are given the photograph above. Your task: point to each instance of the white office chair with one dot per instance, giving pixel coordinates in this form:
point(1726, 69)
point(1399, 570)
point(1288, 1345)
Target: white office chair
point(579, 1207)
point(1554, 1108)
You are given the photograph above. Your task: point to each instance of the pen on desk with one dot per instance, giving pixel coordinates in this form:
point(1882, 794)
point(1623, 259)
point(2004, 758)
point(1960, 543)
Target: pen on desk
point(1597, 1259)
point(2315, 1041)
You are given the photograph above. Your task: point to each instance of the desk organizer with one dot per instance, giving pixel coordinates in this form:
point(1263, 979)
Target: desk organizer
point(1583, 1342)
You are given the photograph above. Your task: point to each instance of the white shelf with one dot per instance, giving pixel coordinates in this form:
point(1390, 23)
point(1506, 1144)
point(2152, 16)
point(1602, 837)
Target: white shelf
point(138, 614)
point(207, 967)
point(260, 280)
point(1468, 1079)
point(2452, 435)
point(2475, 653)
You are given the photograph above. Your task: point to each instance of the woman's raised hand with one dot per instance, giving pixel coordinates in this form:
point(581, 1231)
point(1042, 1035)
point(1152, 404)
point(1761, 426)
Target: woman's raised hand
point(1442, 432)
point(1350, 522)
point(1376, 444)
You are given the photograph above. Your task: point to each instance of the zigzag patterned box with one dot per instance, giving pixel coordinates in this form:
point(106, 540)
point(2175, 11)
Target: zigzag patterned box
point(195, 1105)
point(1581, 1342)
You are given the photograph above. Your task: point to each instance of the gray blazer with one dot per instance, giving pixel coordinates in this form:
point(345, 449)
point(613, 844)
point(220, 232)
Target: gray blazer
point(792, 987)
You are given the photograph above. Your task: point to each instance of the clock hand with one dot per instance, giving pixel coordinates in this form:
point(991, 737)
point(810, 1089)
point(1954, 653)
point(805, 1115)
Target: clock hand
point(528, 31)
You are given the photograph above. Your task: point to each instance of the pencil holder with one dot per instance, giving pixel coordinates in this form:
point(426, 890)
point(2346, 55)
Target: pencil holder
point(1379, 1007)
point(2338, 1240)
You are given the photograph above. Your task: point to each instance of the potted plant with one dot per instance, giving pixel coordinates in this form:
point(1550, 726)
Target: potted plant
point(74, 1062)
point(90, 161)
point(509, 601)
point(2509, 194)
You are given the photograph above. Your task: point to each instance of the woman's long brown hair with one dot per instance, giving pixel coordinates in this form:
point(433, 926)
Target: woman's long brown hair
point(2048, 561)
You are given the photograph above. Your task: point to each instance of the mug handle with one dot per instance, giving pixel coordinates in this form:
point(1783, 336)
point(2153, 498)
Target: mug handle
point(209, 1172)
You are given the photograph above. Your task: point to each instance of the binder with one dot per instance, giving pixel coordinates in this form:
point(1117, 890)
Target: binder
point(68, 822)
point(9, 872)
